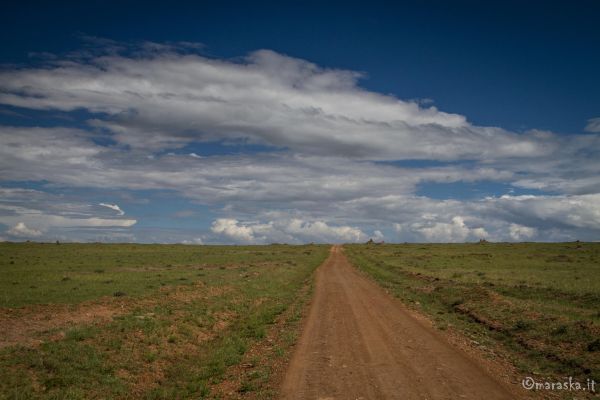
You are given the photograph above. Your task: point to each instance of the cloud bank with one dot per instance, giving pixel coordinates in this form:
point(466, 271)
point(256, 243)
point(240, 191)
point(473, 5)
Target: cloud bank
point(331, 162)
point(286, 231)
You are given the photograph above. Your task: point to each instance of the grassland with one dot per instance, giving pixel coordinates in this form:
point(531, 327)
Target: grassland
point(537, 303)
point(83, 321)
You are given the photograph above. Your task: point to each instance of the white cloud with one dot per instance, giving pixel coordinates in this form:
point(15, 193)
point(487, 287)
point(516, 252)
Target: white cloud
point(34, 213)
point(165, 100)
point(453, 231)
point(113, 207)
point(322, 232)
point(48, 221)
point(480, 233)
point(593, 125)
point(193, 241)
point(520, 232)
point(559, 211)
point(232, 229)
point(568, 212)
point(335, 176)
point(285, 231)
point(21, 230)
point(262, 177)
point(378, 236)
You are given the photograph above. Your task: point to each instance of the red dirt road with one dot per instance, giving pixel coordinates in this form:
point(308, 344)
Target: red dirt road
point(360, 343)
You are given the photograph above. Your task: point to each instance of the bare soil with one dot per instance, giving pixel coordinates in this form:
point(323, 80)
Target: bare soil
point(27, 326)
point(361, 343)
point(32, 325)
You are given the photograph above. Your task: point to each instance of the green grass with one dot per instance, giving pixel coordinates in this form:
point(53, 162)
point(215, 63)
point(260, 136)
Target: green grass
point(538, 303)
point(177, 338)
point(71, 273)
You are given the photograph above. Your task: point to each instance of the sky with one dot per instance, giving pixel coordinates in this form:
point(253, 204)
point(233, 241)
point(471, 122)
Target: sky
point(297, 122)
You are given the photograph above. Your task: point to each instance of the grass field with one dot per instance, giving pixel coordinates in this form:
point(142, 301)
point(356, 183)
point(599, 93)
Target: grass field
point(83, 321)
point(537, 303)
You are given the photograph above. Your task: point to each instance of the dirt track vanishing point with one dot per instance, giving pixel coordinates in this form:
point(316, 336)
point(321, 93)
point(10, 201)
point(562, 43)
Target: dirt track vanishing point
point(360, 343)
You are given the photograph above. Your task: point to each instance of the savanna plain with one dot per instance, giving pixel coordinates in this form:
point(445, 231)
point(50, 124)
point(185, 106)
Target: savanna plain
point(103, 321)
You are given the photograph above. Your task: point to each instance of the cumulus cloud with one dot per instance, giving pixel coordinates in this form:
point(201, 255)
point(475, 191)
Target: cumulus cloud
point(417, 218)
point(21, 230)
point(113, 207)
point(520, 232)
point(232, 229)
point(453, 231)
point(285, 231)
point(321, 232)
point(378, 236)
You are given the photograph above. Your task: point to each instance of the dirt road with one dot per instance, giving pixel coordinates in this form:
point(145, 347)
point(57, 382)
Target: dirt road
point(360, 343)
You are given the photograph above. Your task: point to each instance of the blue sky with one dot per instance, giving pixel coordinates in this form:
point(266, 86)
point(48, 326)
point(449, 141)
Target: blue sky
point(297, 122)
